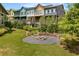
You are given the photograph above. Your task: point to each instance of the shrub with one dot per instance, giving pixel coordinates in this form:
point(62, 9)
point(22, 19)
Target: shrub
point(52, 28)
point(43, 28)
point(2, 26)
point(18, 24)
point(8, 24)
point(27, 28)
point(34, 32)
point(2, 31)
point(14, 24)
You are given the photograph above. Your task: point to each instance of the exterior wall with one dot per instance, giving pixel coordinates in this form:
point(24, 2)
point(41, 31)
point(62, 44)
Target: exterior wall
point(0, 19)
point(23, 12)
point(30, 13)
point(11, 15)
point(60, 10)
point(16, 14)
point(50, 11)
point(0, 15)
point(0, 10)
point(39, 11)
point(3, 13)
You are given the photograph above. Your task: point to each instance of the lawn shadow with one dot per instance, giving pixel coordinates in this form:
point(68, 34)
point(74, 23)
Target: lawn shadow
point(6, 32)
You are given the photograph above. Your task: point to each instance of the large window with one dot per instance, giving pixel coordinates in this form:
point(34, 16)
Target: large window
point(48, 11)
point(53, 10)
point(23, 13)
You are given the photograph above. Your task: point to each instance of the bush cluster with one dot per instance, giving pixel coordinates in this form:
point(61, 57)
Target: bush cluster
point(2, 31)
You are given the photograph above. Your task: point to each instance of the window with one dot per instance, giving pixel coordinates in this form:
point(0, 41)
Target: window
point(54, 10)
point(49, 10)
point(21, 13)
point(46, 11)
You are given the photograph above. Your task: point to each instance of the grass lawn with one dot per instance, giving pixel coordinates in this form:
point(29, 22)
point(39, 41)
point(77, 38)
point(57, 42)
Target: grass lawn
point(12, 44)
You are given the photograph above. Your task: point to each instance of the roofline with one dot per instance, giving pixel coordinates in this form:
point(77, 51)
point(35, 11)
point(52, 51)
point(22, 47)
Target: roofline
point(36, 6)
point(4, 8)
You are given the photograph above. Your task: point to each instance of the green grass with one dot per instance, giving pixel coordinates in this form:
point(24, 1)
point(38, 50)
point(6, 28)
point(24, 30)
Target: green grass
point(12, 44)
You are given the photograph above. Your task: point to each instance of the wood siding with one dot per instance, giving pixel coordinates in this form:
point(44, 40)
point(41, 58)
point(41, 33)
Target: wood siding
point(39, 7)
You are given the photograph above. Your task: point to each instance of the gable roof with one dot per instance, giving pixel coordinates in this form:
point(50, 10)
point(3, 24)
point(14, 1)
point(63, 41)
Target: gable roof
point(47, 6)
point(50, 6)
point(3, 9)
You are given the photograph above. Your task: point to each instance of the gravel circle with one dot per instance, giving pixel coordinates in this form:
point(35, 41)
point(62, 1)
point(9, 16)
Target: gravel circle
point(49, 40)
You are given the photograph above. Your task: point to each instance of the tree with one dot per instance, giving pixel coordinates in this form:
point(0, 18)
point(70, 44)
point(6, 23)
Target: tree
point(76, 5)
point(70, 22)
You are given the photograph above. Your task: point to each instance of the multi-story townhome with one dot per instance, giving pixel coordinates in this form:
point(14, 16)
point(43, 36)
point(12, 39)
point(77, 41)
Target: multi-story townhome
point(33, 14)
point(10, 14)
point(3, 14)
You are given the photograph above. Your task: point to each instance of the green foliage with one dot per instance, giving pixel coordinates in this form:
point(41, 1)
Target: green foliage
point(14, 24)
point(18, 24)
point(42, 20)
point(43, 28)
point(48, 24)
point(76, 5)
point(73, 14)
point(2, 26)
point(2, 31)
point(49, 20)
point(27, 28)
point(8, 24)
point(52, 28)
point(69, 23)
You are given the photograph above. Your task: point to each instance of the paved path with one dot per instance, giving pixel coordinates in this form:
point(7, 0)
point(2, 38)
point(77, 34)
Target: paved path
point(50, 40)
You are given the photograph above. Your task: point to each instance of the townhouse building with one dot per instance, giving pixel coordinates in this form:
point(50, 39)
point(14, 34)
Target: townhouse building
point(32, 15)
point(3, 14)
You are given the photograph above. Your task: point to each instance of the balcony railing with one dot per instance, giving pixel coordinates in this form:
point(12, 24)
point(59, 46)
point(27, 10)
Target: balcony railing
point(53, 13)
point(37, 14)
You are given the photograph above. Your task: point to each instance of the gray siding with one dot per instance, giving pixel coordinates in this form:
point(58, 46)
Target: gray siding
point(60, 10)
point(50, 11)
point(56, 10)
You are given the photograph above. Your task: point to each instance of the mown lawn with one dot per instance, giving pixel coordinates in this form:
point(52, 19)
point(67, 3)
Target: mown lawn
point(12, 44)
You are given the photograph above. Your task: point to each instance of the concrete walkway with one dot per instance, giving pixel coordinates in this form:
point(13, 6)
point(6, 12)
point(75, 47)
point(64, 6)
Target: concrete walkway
point(49, 40)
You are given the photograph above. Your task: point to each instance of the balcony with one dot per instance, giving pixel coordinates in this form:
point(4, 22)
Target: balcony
point(39, 13)
point(16, 15)
point(53, 13)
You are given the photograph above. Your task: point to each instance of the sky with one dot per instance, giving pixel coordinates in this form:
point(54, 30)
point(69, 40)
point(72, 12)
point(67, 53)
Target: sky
point(17, 6)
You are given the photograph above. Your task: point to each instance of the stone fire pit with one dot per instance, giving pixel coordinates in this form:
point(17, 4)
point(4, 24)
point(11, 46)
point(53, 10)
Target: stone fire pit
point(44, 39)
